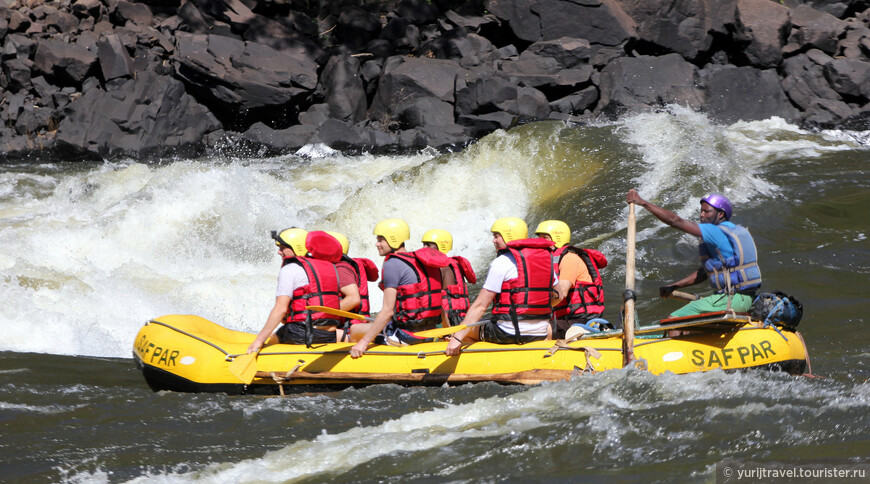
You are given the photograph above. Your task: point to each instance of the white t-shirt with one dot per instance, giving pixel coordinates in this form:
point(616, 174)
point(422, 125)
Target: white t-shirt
point(504, 268)
point(290, 278)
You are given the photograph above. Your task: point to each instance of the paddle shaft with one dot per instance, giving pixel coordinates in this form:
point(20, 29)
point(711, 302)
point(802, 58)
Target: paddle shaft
point(685, 295)
point(628, 321)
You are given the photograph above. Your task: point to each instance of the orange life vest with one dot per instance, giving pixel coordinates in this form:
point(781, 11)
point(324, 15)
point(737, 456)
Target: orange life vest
point(585, 300)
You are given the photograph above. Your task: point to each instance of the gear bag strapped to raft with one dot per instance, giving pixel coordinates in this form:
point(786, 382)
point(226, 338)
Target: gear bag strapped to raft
point(777, 308)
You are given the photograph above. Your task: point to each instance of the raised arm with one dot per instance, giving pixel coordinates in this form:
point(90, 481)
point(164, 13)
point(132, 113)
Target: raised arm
point(666, 216)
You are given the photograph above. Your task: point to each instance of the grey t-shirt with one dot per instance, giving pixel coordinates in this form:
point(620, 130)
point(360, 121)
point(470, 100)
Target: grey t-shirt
point(397, 272)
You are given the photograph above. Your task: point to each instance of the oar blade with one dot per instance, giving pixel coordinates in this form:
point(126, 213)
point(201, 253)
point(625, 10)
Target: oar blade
point(338, 312)
point(439, 332)
point(244, 367)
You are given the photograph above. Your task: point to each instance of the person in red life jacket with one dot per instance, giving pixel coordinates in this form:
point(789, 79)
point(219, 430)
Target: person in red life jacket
point(729, 259)
point(304, 280)
point(359, 270)
point(580, 289)
point(455, 297)
point(411, 282)
point(521, 287)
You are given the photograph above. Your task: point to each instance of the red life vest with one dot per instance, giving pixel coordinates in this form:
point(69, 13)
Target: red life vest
point(455, 301)
point(585, 300)
point(322, 290)
point(418, 305)
point(529, 293)
point(365, 271)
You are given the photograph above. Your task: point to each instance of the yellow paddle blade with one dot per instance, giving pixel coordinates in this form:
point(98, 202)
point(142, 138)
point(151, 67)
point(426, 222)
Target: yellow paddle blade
point(338, 312)
point(439, 332)
point(244, 367)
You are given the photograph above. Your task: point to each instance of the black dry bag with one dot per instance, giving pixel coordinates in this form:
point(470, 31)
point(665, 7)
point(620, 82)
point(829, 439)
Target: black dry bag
point(777, 308)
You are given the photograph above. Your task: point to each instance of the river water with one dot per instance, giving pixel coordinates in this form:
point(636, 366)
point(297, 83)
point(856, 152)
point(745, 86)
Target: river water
point(88, 252)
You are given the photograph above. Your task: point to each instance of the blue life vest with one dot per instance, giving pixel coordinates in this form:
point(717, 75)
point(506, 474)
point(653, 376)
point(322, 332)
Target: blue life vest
point(742, 266)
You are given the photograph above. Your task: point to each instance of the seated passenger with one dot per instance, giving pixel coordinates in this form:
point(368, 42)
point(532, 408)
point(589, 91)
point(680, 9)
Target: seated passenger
point(412, 285)
point(519, 285)
point(455, 297)
point(581, 292)
point(303, 281)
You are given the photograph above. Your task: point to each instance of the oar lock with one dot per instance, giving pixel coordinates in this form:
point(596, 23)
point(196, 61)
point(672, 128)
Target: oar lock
point(629, 294)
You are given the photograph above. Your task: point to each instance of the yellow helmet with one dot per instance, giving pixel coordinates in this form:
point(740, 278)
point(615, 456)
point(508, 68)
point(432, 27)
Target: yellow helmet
point(510, 228)
point(557, 230)
point(396, 231)
point(294, 238)
point(441, 238)
point(345, 244)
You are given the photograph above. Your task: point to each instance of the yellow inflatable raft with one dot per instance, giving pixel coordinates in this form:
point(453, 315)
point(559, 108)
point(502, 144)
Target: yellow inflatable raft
point(191, 354)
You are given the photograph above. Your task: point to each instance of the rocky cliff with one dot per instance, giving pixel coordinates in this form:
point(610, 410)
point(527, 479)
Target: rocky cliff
point(98, 79)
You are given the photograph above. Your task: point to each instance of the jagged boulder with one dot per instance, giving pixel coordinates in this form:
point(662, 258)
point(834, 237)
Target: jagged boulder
point(600, 22)
point(150, 115)
point(68, 64)
point(343, 88)
point(764, 27)
point(745, 94)
point(243, 82)
point(815, 29)
point(408, 79)
point(637, 83)
point(687, 28)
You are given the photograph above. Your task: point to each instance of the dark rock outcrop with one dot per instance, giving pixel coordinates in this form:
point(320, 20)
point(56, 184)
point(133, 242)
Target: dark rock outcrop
point(89, 79)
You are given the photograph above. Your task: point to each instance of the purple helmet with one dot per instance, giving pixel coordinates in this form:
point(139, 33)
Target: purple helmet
point(719, 202)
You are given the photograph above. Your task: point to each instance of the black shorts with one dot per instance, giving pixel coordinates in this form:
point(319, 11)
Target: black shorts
point(294, 334)
point(492, 333)
point(563, 325)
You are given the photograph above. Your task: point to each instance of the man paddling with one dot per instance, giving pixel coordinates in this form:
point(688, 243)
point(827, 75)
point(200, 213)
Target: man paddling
point(412, 286)
point(308, 277)
point(519, 285)
point(580, 289)
point(728, 256)
point(455, 296)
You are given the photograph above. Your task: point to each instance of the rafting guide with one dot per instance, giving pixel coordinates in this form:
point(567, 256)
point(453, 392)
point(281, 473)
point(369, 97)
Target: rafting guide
point(728, 256)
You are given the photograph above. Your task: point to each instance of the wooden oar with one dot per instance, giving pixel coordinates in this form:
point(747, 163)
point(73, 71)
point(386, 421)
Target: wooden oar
point(339, 312)
point(685, 295)
point(244, 367)
point(628, 322)
point(439, 332)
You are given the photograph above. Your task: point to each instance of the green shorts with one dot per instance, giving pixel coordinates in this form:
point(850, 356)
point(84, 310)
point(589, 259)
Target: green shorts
point(740, 303)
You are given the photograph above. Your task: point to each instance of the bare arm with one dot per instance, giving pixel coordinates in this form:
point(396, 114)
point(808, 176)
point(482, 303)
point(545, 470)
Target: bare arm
point(375, 327)
point(475, 312)
point(666, 216)
point(276, 315)
point(694, 278)
point(350, 297)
